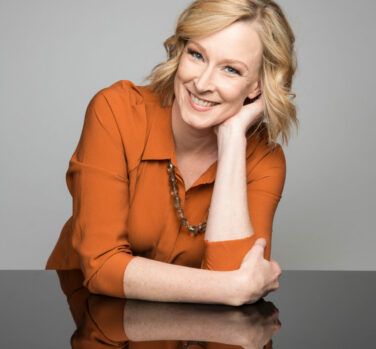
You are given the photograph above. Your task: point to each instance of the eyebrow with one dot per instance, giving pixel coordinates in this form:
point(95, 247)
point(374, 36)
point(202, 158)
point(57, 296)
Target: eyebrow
point(225, 60)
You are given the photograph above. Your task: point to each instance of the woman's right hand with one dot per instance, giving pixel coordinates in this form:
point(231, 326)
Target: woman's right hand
point(257, 275)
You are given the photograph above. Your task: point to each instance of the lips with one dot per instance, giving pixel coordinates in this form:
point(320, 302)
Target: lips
point(200, 104)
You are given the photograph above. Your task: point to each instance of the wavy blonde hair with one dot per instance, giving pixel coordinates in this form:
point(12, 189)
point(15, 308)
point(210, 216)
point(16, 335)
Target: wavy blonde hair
point(204, 17)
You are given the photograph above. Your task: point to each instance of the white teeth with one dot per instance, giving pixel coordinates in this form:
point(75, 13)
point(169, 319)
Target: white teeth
point(201, 102)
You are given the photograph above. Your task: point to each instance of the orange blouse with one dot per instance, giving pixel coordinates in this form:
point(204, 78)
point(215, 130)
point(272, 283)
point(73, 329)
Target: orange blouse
point(122, 206)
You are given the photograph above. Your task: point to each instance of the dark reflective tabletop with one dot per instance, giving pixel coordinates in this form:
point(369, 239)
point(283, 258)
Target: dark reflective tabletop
point(311, 309)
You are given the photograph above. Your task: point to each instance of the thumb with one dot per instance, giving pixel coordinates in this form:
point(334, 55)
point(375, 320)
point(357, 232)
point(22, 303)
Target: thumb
point(259, 247)
point(261, 242)
point(256, 252)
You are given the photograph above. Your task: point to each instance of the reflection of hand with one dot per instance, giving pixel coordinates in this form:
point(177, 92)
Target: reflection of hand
point(250, 326)
point(258, 275)
point(248, 115)
point(256, 324)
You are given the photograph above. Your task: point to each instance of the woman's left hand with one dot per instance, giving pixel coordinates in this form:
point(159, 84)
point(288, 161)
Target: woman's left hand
point(248, 115)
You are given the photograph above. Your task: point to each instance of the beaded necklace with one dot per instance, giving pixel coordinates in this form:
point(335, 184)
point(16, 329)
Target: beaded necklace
point(193, 229)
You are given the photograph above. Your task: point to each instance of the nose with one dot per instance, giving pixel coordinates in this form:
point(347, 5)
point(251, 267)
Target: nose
point(204, 80)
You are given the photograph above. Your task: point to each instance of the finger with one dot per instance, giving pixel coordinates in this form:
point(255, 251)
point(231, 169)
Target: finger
point(258, 104)
point(276, 286)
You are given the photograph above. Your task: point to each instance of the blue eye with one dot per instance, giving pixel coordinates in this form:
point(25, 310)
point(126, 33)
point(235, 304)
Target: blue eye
point(232, 70)
point(194, 54)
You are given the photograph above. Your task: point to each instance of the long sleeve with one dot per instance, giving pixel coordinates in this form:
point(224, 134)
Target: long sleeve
point(265, 181)
point(97, 179)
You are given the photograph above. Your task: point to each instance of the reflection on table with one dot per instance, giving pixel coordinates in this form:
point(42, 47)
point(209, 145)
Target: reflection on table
point(104, 322)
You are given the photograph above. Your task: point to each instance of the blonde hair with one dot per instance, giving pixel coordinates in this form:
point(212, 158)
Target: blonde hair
point(204, 17)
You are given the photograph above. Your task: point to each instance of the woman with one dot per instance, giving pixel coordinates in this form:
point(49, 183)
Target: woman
point(153, 159)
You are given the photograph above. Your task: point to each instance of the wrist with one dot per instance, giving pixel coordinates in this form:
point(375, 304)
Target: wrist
point(236, 282)
point(244, 289)
point(227, 132)
point(231, 140)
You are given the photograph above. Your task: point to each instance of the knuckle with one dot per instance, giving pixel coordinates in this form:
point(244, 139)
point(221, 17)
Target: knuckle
point(277, 268)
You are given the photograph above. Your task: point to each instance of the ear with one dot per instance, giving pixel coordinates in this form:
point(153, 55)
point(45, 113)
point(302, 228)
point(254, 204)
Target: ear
point(256, 90)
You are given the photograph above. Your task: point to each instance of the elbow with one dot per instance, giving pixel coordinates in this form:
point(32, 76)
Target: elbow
point(108, 280)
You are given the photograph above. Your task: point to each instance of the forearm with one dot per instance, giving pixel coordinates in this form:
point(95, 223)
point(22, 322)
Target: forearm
point(154, 321)
point(229, 214)
point(163, 282)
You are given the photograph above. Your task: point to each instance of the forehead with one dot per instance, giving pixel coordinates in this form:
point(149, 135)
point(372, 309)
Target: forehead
point(238, 41)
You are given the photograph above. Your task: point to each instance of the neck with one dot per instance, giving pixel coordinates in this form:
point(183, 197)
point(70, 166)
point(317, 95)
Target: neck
point(190, 140)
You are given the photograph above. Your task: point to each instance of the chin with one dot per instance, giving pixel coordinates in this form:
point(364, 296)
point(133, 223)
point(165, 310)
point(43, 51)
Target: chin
point(196, 121)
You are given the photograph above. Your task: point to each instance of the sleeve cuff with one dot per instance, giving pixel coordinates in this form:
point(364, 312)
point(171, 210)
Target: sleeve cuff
point(109, 279)
point(226, 255)
point(108, 315)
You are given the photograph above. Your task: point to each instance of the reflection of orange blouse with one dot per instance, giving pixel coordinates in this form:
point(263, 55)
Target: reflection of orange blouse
point(100, 320)
point(122, 206)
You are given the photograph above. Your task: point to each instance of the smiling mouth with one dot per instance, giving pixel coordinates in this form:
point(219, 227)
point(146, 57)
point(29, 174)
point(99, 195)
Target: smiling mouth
point(201, 102)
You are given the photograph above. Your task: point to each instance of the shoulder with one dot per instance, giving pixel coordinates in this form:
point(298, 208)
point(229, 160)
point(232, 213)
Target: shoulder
point(130, 105)
point(121, 110)
point(124, 93)
point(125, 103)
point(262, 156)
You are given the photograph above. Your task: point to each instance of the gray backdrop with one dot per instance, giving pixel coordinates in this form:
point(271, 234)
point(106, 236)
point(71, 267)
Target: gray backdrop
point(55, 55)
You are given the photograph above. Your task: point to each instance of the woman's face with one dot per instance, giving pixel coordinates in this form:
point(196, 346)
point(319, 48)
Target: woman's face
point(216, 74)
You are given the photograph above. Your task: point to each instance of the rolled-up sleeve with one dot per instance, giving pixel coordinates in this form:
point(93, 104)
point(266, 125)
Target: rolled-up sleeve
point(265, 182)
point(97, 179)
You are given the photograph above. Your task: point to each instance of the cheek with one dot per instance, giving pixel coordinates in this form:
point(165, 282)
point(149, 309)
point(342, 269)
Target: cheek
point(186, 70)
point(234, 93)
